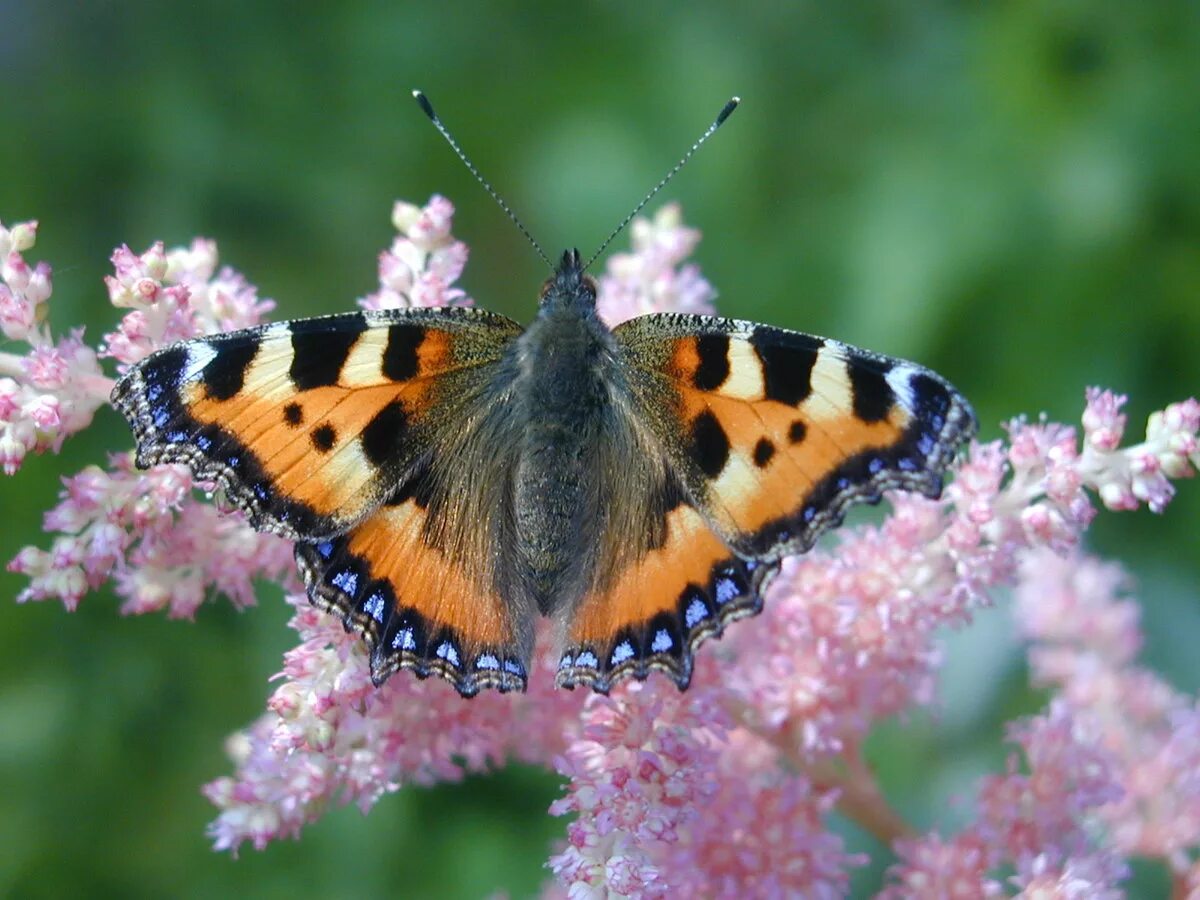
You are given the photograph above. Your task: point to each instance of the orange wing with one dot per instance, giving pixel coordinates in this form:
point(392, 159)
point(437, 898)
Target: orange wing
point(310, 424)
point(655, 613)
point(418, 606)
point(770, 435)
point(775, 433)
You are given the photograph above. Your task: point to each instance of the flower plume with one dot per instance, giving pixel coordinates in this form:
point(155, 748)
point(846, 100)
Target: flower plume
point(726, 790)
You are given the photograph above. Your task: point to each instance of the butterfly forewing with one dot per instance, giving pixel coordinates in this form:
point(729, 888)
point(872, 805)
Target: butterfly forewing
point(310, 424)
point(775, 433)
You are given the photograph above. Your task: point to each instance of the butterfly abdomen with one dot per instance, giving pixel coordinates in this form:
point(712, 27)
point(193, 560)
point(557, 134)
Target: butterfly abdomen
point(563, 396)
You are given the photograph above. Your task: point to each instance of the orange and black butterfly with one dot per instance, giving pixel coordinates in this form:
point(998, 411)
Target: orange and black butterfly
point(449, 476)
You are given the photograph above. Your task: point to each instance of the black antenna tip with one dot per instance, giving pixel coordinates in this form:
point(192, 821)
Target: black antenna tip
point(728, 109)
point(426, 106)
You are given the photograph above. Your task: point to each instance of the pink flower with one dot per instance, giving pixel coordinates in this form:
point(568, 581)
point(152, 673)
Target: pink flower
point(1036, 821)
point(54, 389)
point(1084, 640)
point(146, 531)
point(651, 279)
point(174, 295)
point(723, 791)
point(424, 261)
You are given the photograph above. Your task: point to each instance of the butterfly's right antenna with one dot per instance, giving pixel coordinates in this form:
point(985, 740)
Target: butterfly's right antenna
point(724, 114)
point(427, 108)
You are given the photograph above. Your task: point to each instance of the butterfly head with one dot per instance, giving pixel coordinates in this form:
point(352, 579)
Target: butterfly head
point(569, 286)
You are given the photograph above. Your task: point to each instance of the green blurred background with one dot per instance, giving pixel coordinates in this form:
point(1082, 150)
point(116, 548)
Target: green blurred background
point(1008, 192)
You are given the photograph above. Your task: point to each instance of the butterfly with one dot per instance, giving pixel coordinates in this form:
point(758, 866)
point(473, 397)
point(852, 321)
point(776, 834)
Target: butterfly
point(449, 476)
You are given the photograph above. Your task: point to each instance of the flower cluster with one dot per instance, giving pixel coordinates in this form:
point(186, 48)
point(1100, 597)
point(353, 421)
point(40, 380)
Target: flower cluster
point(424, 261)
point(1036, 822)
point(174, 296)
point(654, 277)
point(162, 546)
point(725, 790)
point(329, 736)
point(53, 390)
point(851, 630)
point(1084, 637)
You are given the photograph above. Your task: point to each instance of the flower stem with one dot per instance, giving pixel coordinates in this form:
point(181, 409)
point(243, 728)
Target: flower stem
point(859, 797)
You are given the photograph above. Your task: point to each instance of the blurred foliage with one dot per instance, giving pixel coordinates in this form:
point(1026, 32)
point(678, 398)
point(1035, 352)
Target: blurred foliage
point(1007, 192)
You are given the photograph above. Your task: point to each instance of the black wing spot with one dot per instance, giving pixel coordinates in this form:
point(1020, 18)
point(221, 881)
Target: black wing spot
point(320, 348)
point(324, 437)
point(710, 445)
point(798, 432)
point(873, 396)
point(383, 433)
point(764, 450)
point(713, 368)
point(225, 375)
point(418, 487)
point(293, 414)
point(400, 361)
point(787, 364)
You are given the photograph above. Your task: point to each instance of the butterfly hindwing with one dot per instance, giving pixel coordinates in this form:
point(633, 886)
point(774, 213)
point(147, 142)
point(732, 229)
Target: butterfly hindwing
point(685, 587)
point(309, 424)
point(418, 605)
point(775, 433)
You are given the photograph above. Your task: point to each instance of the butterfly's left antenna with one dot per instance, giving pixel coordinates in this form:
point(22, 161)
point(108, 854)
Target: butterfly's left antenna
point(427, 108)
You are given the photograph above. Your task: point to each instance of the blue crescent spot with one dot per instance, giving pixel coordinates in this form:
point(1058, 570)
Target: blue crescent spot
point(448, 652)
point(697, 612)
point(587, 659)
point(621, 652)
point(875, 465)
point(810, 513)
point(204, 443)
point(564, 663)
point(925, 444)
point(662, 641)
point(727, 589)
point(261, 492)
point(487, 661)
point(162, 416)
point(325, 549)
point(233, 461)
point(404, 640)
point(907, 463)
point(346, 580)
point(374, 606)
point(514, 667)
